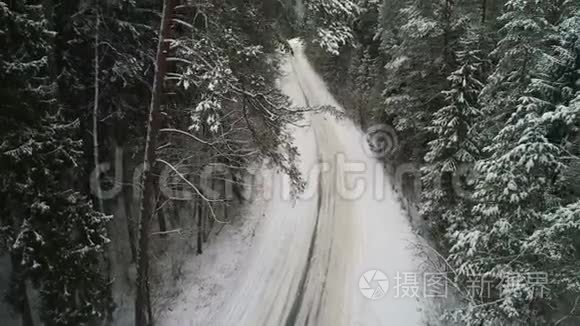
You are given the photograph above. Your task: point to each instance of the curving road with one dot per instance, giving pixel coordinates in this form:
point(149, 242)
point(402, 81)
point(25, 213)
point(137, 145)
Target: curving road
point(309, 254)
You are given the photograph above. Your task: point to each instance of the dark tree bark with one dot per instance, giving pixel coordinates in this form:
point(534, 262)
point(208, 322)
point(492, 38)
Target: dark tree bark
point(225, 197)
point(161, 216)
point(226, 203)
point(447, 31)
point(128, 202)
point(159, 210)
point(362, 116)
point(175, 217)
point(142, 300)
point(494, 8)
point(199, 213)
point(120, 134)
point(19, 282)
point(204, 227)
point(237, 188)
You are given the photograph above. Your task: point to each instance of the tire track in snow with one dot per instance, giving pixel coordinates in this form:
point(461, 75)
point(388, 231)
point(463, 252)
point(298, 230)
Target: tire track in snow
point(297, 303)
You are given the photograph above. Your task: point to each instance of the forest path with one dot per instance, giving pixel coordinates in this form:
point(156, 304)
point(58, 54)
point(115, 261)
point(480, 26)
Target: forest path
point(310, 252)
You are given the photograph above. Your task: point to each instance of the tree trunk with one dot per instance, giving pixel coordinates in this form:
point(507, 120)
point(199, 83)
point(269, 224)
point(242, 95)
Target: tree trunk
point(23, 306)
point(237, 188)
point(97, 193)
point(128, 201)
point(161, 221)
point(205, 221)
point(175, 218)
point(159, 210)
point(362, 115)
point(226, 199)
point(226, 203)
point(199, 227)
point(494, 8)
point(142, 300)
point(447, 31)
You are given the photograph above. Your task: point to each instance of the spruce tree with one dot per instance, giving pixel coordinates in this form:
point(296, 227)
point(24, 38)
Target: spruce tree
point(455, 145)
point(515, 193)
point(54, 236)
point(417, 47)
point(327, 23)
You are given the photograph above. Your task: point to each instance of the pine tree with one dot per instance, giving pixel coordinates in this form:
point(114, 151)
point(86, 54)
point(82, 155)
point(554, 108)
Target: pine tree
point(148, 202)
point(515, 193)
point(455, 145)
point(54, 236)
point(226, 83)
point(327, 23)
point(524, 33)
point(420, 28)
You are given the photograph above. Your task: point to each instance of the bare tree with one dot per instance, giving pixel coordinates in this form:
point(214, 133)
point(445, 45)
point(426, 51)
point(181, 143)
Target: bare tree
point(142, 301)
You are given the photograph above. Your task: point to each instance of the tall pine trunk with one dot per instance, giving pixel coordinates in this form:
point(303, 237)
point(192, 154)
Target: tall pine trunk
point(142, 301)
point(98, 194)
point(130, 216)
point(159, 210)
point(19, 282)
point(483, 11)
point(199, 214)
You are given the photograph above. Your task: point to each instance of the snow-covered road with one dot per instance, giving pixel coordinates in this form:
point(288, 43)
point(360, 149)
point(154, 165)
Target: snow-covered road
point(309, 254)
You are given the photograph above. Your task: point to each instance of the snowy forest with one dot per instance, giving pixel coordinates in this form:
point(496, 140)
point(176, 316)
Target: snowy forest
point(180, 162)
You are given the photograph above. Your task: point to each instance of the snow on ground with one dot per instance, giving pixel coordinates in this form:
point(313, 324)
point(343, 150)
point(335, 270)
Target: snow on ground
point(304, 263)
point(206, 280)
